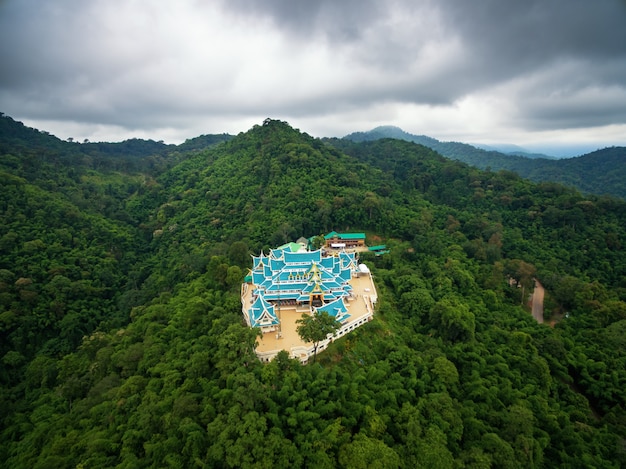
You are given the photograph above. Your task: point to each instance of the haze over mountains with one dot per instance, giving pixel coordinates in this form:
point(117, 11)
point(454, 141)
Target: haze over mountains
point(599, 172)
point(511, 149)
point(391, 131)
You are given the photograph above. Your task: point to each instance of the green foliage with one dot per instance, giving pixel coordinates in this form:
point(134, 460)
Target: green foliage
point(599, 172)
point(316, 327)
point(122, 341)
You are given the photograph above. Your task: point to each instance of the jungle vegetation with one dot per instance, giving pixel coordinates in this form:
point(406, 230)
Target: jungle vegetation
point(122, 342)
point(600, 172)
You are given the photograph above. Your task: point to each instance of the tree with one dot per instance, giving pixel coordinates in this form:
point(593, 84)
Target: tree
point(371, 202)
point(453, 320)
point(316, 327)
point(318, 241)
point(365, 452)
point(522, 273)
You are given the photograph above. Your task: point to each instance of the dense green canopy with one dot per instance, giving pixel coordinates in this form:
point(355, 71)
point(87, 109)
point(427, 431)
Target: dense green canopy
point(122, 342)
point(316, 327)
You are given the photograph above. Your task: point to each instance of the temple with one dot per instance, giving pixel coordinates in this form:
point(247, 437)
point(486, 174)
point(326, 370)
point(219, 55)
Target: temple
point(289, 282)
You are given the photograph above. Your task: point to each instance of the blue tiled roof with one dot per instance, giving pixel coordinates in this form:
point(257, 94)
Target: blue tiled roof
point(262, 313)
point(285, 275)
point(337, 309)
point(303, 257)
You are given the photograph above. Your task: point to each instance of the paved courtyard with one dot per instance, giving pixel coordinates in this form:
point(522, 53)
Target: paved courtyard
point(358, 307)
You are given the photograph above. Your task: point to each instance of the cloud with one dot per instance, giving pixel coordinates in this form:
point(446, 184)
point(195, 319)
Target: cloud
point(336, 21)
point(553, 100)
point(189, 67)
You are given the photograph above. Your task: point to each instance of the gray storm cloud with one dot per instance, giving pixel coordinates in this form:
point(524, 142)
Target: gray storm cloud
point(143, 66)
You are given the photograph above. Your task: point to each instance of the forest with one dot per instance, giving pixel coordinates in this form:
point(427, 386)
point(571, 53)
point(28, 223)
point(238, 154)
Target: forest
point(600, 172)
point(122, 342)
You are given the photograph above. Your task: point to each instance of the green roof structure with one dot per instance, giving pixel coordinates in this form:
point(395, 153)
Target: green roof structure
point(334, 234)
point(291, 247)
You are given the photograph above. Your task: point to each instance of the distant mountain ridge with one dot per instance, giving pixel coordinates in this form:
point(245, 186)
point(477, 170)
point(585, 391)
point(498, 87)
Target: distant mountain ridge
point(15, 134)
point(133, 154)
point(514, 150)
point(600, 172)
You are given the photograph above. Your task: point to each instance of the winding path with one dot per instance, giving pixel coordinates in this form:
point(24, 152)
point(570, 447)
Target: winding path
point(537, 302)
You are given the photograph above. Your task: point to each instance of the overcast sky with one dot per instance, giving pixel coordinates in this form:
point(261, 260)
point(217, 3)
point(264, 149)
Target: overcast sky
point(537, 73)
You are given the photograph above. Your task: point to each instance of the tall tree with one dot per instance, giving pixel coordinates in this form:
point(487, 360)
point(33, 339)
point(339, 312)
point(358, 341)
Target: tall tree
point(316, 327)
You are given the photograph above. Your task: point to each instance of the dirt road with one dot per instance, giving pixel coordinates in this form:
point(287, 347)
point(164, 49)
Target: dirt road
point(537, 302)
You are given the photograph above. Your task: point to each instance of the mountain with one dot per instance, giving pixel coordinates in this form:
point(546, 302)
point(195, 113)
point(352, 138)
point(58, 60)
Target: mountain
point(203, 141)
point(509, 149)
point(14, 135)
point(122, 342)
point(130, 155)
point(390, 131)
point(600, 172)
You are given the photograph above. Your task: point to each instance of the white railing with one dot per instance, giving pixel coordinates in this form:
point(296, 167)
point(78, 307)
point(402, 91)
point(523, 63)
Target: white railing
point(304, 352)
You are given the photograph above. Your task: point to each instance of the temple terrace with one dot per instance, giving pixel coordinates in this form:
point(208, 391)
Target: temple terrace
point(285, 284)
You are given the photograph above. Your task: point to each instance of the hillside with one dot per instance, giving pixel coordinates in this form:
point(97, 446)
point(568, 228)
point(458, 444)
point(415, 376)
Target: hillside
point(123, 343)
point(510, 149)
point(41, 148)
point(600, 172)
point(464, 152)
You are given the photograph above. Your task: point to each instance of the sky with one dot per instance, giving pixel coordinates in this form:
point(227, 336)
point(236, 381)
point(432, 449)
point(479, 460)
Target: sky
point(548, 75)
